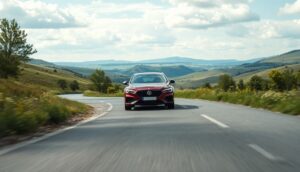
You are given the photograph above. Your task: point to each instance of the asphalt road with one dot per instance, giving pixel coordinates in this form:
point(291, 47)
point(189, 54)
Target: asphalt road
point(198, 136)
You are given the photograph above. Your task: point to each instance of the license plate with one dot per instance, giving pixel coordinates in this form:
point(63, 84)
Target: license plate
point(149, 98)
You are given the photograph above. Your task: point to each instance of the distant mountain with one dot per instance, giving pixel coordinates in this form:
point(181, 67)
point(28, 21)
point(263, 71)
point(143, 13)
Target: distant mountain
point(40, 62)
point(92, 63)
point(170, 71)
point(291, 57)
point(118, 64)
point(187, 60)
point(188, 72)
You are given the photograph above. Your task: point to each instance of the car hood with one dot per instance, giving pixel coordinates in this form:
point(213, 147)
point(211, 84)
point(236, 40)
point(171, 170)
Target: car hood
point(156, 86)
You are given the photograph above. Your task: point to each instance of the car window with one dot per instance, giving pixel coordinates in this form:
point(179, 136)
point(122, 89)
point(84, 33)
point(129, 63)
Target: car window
point(149, 78)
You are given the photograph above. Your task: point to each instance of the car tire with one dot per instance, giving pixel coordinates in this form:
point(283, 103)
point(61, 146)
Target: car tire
point(128, 107)
point(171, 106)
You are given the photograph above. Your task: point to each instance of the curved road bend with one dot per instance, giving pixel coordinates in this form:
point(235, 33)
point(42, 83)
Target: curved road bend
point(196, 136)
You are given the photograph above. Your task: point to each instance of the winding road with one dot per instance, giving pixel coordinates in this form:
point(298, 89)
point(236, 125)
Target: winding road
point(197, 136)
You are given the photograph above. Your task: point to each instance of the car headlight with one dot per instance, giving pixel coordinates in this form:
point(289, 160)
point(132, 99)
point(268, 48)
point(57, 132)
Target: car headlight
point(130, 91)
point(168, 90)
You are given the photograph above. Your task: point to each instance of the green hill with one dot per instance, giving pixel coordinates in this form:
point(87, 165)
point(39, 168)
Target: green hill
point(264, 73)
point(47, 77)
point(244, 71)
point(41, 62)
point(291, 57)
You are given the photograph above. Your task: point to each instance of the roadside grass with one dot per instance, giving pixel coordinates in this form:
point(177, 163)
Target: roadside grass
point(90, 93)
point(285, 102)
point(26, 107)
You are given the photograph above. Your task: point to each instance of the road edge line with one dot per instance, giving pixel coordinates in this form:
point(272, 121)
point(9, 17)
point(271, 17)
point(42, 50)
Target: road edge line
point(220, 124)
point(264, 153)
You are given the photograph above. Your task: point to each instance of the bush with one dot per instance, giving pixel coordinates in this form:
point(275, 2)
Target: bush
point(20, 115)
point(226, 83)
point(256, 83)
point(74, 85)
point(57, 113)
point(62, 84)
point(25, 122)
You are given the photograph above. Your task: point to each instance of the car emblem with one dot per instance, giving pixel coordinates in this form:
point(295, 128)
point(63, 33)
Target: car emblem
point(149, 93)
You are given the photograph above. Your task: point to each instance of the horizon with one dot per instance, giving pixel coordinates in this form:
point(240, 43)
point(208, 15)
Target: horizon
point(137, 30)
point(256, 58)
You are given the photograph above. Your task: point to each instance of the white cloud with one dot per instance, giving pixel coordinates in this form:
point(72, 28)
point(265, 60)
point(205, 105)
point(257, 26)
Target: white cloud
point(142, 30)
point(202, 14)
point(268, 29)
point(37, 14)
point(293, 8)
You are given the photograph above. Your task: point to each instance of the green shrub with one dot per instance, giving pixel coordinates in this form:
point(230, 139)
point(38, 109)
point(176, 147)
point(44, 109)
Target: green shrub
point(25, 122)
point(57, 113)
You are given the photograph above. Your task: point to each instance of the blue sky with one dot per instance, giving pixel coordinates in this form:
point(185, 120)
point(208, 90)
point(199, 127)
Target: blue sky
point(80, 30)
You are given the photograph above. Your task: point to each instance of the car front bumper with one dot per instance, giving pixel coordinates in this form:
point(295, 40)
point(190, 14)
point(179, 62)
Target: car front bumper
point(137, 100)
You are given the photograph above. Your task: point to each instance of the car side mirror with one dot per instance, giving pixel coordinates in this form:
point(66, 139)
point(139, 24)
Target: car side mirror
point(125, 82)
point(172, 82)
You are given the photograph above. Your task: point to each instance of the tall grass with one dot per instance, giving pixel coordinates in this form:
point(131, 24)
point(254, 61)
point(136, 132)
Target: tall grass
point(25, 107)
point(285, 102)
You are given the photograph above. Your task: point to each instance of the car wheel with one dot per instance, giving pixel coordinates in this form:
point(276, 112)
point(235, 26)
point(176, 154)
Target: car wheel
point(128, 107)
point(171, 106)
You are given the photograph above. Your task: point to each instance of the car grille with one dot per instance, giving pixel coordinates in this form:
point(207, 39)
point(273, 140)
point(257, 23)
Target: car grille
point(143, 93)
point(157, 102)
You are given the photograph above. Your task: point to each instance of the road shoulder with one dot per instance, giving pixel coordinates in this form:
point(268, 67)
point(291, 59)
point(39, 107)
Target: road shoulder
point(97, 111)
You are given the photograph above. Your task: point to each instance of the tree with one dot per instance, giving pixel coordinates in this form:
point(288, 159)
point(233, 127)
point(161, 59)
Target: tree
point(277, 79)
point(100, 81)
point(62, 84)
point(297, 75)
point(290, 80)
point(74, 85)
point(285, 80)
point(207, 85)
point(226, 82)
point(14, 48)
point(241, 85)
point(256, 83)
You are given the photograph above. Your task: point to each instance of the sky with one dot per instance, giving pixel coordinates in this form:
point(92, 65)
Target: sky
point(86, 30)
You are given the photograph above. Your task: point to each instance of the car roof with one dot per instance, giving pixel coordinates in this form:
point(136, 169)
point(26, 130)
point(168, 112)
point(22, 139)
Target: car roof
point(149, 73)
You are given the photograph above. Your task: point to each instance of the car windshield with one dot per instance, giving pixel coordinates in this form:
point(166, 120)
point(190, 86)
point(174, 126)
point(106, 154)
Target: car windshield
point(148, 78)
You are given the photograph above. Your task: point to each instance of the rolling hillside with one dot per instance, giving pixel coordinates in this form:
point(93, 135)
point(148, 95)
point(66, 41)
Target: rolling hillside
point(47, 77)
point(264, 73)
point(244, 71)
point(160, 62)
point(291, 57)
point(184, 70)
point(41, 62)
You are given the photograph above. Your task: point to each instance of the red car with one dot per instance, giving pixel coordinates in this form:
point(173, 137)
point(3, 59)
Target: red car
point(149, 89)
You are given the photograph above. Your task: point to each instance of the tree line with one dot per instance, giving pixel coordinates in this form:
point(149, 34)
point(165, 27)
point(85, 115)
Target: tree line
point(285, 80)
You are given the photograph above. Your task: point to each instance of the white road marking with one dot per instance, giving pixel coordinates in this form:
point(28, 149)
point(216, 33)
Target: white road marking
point(110, 107)
point(220, 124)
point(35, 140)
point(264, 153)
